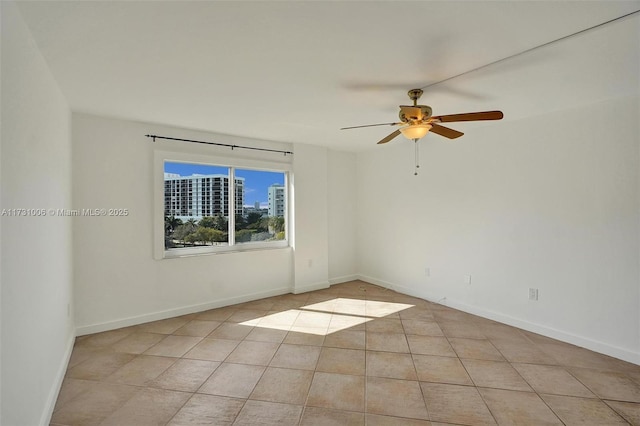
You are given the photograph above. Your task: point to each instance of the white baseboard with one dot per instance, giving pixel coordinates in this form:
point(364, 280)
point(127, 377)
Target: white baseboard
point(310, 287)
point(50, 403)
point(343, 279)
point(553, 333)
point(584, 342)
point(377, 282)
point(170, 313)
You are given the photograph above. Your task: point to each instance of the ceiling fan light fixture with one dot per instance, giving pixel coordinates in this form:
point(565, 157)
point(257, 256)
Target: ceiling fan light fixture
point(415, 131)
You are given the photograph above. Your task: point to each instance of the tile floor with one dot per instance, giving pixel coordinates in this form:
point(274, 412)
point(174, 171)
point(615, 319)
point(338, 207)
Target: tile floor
point(353, 354)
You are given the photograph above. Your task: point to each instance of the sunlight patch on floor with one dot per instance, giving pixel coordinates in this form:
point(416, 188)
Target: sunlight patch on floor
point(327, 317)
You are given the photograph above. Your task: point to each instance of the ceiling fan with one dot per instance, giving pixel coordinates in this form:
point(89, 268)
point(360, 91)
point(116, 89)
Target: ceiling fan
point(417, 120)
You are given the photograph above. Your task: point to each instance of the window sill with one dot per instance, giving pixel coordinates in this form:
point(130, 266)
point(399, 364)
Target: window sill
point(238, 248)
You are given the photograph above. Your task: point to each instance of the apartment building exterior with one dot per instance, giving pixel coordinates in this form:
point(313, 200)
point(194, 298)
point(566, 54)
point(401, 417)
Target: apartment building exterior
point(197, 196)
point(276, 200)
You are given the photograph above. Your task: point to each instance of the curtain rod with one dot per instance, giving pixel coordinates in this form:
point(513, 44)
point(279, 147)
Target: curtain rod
point(154, 137)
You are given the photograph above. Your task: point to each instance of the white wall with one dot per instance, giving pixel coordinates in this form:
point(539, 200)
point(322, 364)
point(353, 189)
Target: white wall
point(342, 216)
point(547, 198)
point(117, 280)
point(549, 202)
point(311, 266)
point(36, 271)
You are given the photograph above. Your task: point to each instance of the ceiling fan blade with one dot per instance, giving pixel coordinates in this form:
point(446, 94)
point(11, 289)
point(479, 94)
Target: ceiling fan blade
point(470, 116)
point(371, 125)
point(412, 112)
point(388, 138)
point(445, 131)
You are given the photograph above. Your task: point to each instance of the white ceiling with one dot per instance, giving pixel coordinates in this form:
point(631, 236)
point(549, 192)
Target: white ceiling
point(298, 71)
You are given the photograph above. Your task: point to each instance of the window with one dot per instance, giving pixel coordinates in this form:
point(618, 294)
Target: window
point(210, 207)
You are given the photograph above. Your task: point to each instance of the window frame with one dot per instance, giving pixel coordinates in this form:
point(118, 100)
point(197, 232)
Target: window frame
point(160, 157)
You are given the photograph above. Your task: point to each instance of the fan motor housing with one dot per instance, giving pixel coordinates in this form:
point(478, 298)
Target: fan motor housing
point(426, 113)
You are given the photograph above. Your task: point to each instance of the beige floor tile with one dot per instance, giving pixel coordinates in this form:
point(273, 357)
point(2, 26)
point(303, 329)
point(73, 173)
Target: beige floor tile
point(260, 334)
point(322, 303)
point(173, 346)
point(456, 404)
point(92, 407)
point(523, 352)
point(313, 319)
point(463, 329)
point(348, 339)
point(185, 375)
point(384, 325)
point(99, 366)
point(378, 420)
point(390, 365)
point(72, 388)
point(296, 356)
point(552, 380)
point(337, 391)
point(148, 407)
point(268, 414)
point(574, 356)
point(256, 353)
point(495, 374)
point(629, 410)
point(210, 349)
point(81, 354)
point(166, 326)
point(342, 361)
point(261, 304)
point(447, 315)
point(105, 339)
point(208, 410)
point(441, 369)
point(331, 330)
point(220, 314)
point(475, 349)
point(315, 416)
point(277, 320)
point(137, 343)
point(284, 305)
point(231, 331)
point(347, 322)
point(518, 408)
point(392, 397)
point(234, 380)
point(608, 384)
point(582, 411)
point(430, 345)
point(421, 327)
point(141, 370)
point(387, 309)
point(497, 331)
point(416, 313)
point(283, 385)
point(197, 328)
point(387, 342)
point(304, 337)
point(350, 306)
point(242, 315)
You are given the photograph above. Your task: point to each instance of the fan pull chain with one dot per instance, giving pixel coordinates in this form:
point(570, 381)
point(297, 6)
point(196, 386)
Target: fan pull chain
point(417, 155)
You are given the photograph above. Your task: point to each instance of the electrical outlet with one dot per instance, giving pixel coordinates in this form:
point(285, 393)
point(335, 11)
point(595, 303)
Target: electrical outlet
point(309, 263)
point(533, 294)
point(427, 272)
point(467, 279)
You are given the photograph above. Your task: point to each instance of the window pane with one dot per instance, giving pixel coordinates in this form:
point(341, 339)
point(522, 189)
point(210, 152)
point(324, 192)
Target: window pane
point(196, 205)
point(263, 201)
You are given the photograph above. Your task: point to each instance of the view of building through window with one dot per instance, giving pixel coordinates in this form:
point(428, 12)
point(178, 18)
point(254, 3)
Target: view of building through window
point(198, 200)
